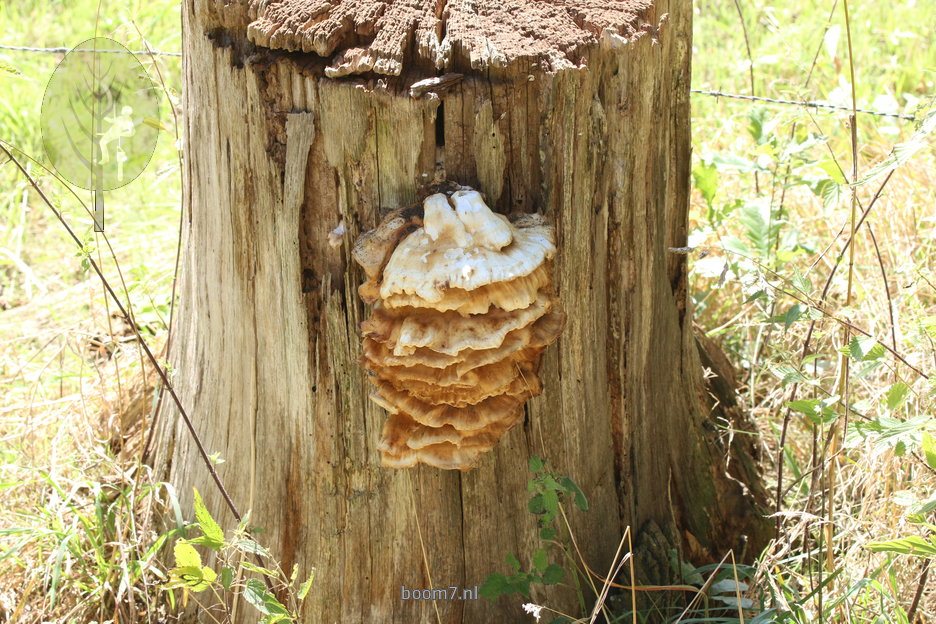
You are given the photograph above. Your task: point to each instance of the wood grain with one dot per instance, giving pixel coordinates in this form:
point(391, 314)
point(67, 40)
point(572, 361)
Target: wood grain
point(277, 154)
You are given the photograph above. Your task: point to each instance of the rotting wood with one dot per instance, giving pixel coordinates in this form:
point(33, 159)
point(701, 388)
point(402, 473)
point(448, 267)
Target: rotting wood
point(588, 127)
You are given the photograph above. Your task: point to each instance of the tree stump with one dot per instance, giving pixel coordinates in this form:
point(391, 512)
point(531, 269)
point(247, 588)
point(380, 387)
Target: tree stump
point(304, 114)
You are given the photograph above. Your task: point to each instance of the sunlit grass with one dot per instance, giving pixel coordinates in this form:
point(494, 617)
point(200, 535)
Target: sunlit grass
point(63, 404)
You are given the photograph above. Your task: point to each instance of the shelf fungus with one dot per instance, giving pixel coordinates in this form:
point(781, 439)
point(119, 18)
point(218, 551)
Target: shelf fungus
point(463, 307)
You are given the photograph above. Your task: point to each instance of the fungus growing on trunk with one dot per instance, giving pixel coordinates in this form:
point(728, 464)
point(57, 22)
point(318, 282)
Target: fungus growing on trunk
point(462, 310)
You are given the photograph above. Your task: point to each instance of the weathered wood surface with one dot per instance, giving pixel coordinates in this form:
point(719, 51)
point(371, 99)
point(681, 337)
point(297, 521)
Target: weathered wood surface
point(596, 137)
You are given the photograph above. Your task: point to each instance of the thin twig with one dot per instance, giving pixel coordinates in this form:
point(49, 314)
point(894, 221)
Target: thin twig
point(149, 353)
point(911, 612)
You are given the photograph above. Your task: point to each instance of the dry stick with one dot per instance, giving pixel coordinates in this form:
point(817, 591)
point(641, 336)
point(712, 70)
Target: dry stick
point(806, 300)
point(175, 272)
point(887, 292)
point(911, 612)
point(149, 354)
point(786, 178)
point(805, 351)
point(844, 386)
point(747, 45)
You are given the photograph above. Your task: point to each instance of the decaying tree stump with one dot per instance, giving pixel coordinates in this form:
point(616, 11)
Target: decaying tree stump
point(305, 114)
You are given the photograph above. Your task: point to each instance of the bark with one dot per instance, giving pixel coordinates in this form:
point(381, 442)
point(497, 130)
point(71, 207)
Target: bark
point(579, 114)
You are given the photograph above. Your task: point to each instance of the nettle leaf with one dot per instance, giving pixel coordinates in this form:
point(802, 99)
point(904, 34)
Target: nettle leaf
point(540, 559)
point(831, 168)
point(551, 502)
point(820, 411)
point(186, 555)
point(800, 282)
point(547, 533)
point(255, 568)
point(864, 349)
point(193, 578)
point(789, 317)
point(306, 585)
point(829, 190)
point(893, 432)
point(912, 545)
point(535, 505)
point(553, 574)
point(732, 162)
point(756, 117)
point(495, 586)
point(255, 592)
point(705, 178)
point(212, 535)
point(760, 228)
point(577, 495)
point(536, 464)
point(247, 545)
point(902, 152)
point(512, 561)
point(922, 507)
point(929, 449)
point(227, 577)
point(787, 374)
point(897, 395)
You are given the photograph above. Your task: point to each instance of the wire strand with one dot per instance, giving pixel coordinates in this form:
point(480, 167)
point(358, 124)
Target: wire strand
point(736, 96)
point(66, 50)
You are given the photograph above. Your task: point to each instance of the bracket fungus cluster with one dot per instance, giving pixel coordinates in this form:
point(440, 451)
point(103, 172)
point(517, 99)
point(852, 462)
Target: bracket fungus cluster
point(463, 308)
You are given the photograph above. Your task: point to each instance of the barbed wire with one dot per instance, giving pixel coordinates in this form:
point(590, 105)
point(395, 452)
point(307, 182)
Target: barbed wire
point(736, 96)
point(65, 50)
point(805, 103)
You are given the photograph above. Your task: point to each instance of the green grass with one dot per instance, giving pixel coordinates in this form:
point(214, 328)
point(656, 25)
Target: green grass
point(767, 204)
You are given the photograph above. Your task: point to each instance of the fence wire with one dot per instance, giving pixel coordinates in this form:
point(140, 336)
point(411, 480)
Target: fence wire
point(718, 94)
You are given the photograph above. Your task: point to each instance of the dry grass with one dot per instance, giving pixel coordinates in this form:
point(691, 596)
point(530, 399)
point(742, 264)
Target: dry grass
point(73, 391)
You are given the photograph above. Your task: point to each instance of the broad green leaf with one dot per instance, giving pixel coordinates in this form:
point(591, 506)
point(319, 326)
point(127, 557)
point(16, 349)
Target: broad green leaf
point(495, 586)
point(792, 315)
point(255, 568)
point(535, 505)
point(787, 374)
point(551, 502)
point(929, 449)
point(705, 178)
point(864, 349)
point(212, 535)
point(186, 555)
point(553, 574)
point(227, 577)
point(833, 171)
point(307, 585)
point(512, 561)
point(923, 507)
point(536, 464)
point(732, 162)
point(251, 546)
point(819, 411)
point(547, 533)
point(578, 496)
point(196, 579)
point(912, 545)
point(902, 152)
point(540, 559)
point(897, 395)
point(255, 592)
